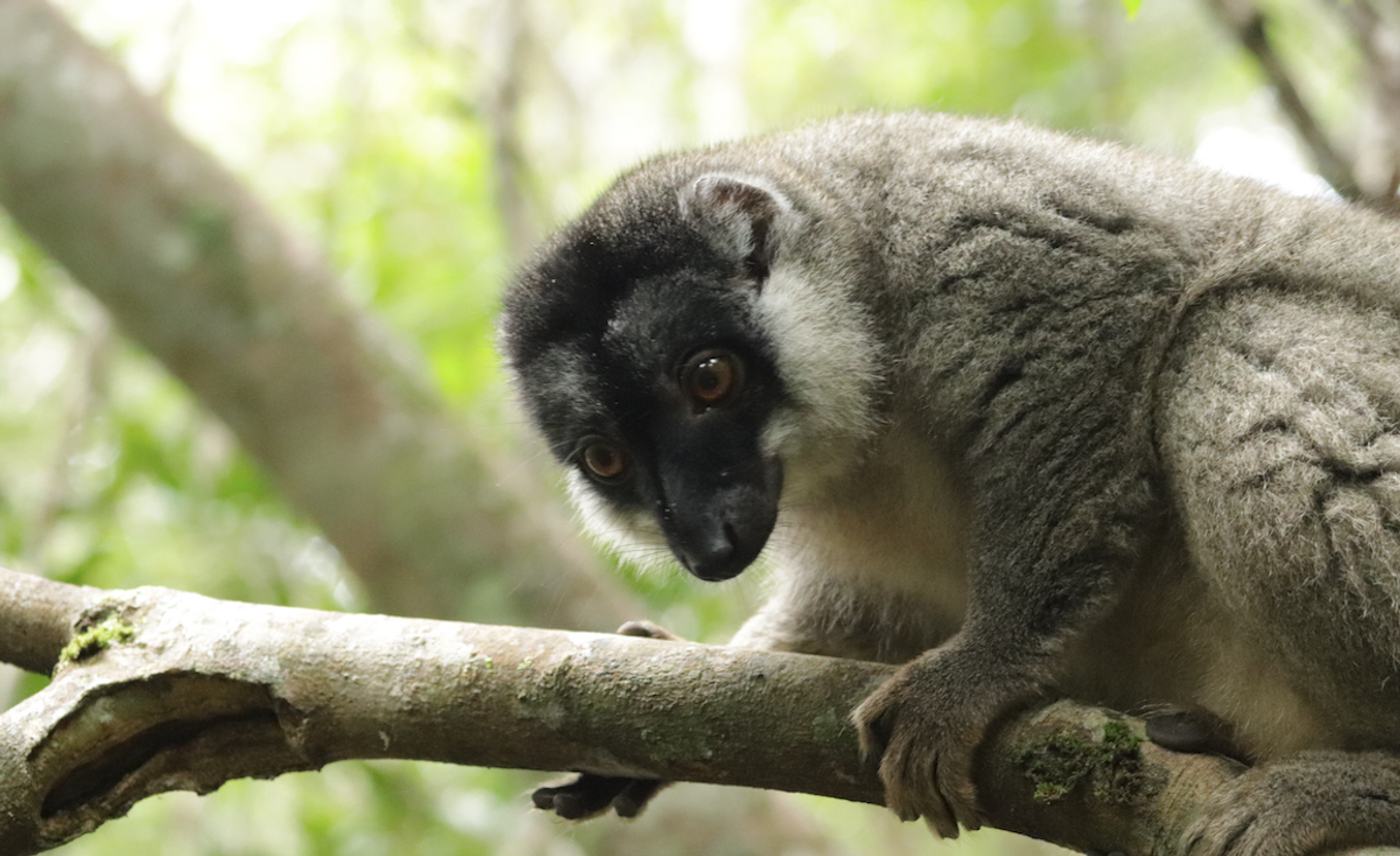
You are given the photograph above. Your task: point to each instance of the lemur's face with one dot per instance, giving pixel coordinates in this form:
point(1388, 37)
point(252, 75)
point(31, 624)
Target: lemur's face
point(648, 372)
point(692, 349)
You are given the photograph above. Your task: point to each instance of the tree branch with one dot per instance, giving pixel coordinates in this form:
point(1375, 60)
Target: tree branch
point(1376, 37)
point(155, 696)
point(1248, 23)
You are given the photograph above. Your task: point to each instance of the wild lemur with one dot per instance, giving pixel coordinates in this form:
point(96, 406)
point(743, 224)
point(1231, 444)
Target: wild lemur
point(1029, 414)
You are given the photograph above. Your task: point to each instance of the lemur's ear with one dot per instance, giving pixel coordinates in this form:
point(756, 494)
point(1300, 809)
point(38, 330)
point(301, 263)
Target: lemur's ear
point(738, 214)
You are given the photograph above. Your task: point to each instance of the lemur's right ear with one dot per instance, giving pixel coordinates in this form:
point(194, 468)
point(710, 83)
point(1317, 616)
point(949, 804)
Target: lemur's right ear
point(738, 214)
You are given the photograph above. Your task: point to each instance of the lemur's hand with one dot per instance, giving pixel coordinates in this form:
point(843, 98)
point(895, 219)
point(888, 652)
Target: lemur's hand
point(924, 725)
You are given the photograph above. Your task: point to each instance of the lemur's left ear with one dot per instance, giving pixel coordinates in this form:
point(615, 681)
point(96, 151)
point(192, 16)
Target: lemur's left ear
point(738, 214)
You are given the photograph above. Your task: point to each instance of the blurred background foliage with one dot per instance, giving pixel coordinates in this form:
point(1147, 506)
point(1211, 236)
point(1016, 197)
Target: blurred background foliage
point(426, 144)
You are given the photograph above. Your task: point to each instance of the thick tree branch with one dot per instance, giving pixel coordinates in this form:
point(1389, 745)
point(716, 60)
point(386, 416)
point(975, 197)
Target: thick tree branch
point(253, 321)
point(166, 690)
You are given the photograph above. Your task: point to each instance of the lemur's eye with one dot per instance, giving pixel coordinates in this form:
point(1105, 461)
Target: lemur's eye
point(603, 459)
point(711, 377)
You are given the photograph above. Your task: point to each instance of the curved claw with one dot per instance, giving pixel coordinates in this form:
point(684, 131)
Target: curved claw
point(1193, 730)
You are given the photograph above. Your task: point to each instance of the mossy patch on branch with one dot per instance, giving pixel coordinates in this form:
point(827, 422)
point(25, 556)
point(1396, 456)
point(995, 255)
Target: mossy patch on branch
point(112, 630)
point(1111, 761)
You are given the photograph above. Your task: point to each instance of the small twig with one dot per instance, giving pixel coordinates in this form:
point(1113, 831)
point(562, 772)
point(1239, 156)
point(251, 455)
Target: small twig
point(1380, 46)
point(1249, 26)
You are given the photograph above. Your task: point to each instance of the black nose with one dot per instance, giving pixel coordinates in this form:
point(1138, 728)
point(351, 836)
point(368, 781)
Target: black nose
point(721, 553)
point(717, 530)
point(720, 542)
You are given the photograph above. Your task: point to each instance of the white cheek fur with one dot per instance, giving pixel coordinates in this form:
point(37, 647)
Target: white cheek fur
point(827, 358)
point(634, 537)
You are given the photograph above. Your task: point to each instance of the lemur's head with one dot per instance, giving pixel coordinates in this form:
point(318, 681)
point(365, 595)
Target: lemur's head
point(664, 345)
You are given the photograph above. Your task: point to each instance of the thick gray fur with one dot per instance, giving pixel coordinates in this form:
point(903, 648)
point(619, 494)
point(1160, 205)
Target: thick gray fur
point(1061, 418)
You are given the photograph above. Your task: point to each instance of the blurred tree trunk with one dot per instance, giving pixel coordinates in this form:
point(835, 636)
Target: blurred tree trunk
point(254, 322)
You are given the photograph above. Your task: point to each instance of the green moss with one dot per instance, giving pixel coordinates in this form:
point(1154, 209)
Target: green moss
point(1119, 737)
point(1111, 762)
point(110, 631)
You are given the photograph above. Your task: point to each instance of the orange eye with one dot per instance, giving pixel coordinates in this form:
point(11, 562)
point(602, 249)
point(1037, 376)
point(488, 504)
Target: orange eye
point(604, 460)
point(710, 378)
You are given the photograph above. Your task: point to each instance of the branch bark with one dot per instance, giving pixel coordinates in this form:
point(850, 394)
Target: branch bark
point(254, 322)
point(154, 696)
